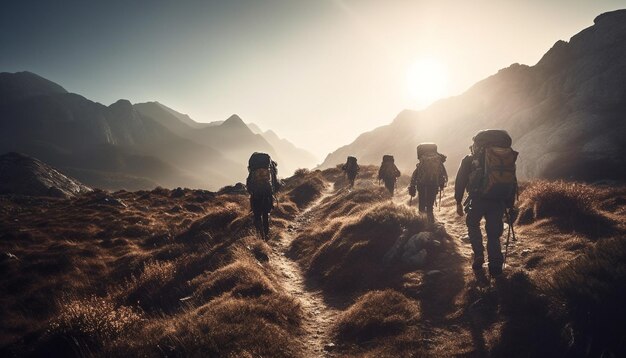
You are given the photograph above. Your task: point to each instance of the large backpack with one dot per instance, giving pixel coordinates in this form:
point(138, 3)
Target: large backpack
point(351, 165)
point(493, 174)
point(388, 169)
point(430, 170)
point(262, 174)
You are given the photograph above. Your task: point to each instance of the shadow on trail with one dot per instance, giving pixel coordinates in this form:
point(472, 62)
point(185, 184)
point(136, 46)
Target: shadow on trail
point(438, 292)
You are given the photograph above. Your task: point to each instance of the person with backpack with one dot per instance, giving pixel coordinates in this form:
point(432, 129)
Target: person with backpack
point(352, 169)
point(262, 183)
point(388, 173)
point(488, 176)
point(429, 178)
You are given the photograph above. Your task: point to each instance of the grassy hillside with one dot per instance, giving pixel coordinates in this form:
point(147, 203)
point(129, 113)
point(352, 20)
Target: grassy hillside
point(181, 273)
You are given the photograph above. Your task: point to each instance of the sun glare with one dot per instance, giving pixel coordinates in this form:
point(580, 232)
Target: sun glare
point(426, 80)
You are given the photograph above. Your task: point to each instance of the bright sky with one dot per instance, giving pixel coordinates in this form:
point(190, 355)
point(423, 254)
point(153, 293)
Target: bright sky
point(317, 72)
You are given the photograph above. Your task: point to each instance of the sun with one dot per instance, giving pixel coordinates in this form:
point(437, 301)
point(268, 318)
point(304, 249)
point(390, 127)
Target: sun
point(426, 81)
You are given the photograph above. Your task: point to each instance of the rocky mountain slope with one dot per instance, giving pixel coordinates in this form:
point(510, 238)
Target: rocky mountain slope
point(23, 175)
point(233, 137)
point(122, 145)
point(565, 114)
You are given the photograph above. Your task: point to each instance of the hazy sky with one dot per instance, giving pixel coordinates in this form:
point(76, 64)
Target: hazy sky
point(317, 72)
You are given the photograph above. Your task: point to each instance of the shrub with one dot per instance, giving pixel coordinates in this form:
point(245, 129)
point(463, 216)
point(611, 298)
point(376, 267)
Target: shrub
point(377, 315)
point(593, 288)
point(301, 172)
point(241, 279)
point(571, 206)
point(91, 323)
point(353, 258)
point(232, 327)
point(154, 289)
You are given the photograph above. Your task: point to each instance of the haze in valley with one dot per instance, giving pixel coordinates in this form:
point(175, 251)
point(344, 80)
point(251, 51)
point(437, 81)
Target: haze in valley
point(318, 73)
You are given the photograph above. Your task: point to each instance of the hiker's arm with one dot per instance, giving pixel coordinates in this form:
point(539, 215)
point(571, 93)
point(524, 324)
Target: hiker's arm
point(462, 178)
point(414, 178)
point(445, 175)
point(510, 202)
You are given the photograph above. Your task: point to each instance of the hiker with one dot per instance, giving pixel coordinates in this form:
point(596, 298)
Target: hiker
point(262, 183)
point(429, 178)
point(388, 173)
point(352, 169)
point(488, 176)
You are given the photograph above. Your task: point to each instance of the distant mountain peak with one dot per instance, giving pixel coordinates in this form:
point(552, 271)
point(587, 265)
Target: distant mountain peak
point(233, 122)
point(25, 84)
point(122, 103)
point(271, 134)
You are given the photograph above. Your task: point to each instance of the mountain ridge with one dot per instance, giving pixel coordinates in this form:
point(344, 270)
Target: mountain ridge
point(563, 113)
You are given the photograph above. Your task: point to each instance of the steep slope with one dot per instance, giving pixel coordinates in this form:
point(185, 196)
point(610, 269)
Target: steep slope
point(113, 147)
point(233, 137)
point(565, 113)
point(23, 175)
point(177, 122)
point(25, 84)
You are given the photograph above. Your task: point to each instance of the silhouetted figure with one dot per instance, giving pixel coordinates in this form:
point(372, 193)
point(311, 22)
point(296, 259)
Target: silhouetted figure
point(352, 169)
point(262, 183)
point(488, 175)
point(388, 173)
point(429, 178)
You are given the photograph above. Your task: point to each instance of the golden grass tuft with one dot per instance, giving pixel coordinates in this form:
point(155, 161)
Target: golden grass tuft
point(593, 287)
point(379, 315)
point(353, 257)
point(242, 278)
point(572, 207)
point(90, 323)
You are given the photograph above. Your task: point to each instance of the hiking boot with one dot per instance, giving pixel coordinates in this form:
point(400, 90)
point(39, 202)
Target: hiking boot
point(495, 270)
point(478, 262)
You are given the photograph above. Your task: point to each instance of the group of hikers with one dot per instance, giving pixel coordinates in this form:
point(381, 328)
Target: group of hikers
point(487, 174)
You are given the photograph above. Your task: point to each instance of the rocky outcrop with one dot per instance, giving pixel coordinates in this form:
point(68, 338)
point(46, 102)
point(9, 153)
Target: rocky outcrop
point(23, 175)
point(565, 114)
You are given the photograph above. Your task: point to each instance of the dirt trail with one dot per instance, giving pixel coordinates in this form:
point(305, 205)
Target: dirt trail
point(318, 317)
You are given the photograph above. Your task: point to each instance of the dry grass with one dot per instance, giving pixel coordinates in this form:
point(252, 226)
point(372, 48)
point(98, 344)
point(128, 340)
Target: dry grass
point(144, 273)
point(180, 273)
point(304, 187)
point(385, 321)
point(572, 207)
point(353, 257)
point(593, 288)
point(88, 324)
point(575, 233)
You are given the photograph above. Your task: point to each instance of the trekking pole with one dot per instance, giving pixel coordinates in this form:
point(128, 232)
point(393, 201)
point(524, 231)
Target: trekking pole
point(508, 236)
point(506, 246)
point(439, 199)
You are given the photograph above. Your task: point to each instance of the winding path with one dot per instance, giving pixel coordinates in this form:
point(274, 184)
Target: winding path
point(318, 316)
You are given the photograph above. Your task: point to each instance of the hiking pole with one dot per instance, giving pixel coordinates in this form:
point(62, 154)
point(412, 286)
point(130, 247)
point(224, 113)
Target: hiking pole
point(439, 200)
point(506, 246)
point(510, 233)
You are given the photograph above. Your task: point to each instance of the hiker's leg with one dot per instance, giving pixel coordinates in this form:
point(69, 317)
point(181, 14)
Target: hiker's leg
point(494, 227)
point(421, 198)
point(266, 223)
point(258, 223)
point(474, 215)
point(389, 184)
point(430, 203)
